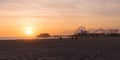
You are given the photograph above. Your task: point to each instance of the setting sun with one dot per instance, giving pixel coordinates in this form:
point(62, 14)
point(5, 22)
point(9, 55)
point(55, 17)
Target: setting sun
point(29, 30)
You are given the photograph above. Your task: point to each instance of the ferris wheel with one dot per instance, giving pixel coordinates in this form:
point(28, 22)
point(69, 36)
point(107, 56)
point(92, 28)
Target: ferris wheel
point(81, 30)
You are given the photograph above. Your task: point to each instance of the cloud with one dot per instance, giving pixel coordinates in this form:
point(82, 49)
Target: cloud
point(60, 7)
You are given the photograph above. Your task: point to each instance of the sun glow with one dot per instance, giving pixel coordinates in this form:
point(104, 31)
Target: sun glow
point(29, 30)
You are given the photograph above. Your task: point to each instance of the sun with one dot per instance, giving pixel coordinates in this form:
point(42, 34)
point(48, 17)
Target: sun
point(29, 30)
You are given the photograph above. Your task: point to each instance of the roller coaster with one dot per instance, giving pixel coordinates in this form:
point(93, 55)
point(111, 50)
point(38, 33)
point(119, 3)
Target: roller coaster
point(83, 32)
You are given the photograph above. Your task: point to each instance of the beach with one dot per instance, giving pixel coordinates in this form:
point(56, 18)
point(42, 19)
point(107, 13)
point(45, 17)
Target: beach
point(100, 48)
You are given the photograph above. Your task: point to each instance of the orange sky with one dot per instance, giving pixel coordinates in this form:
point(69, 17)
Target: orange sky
point(56, 17)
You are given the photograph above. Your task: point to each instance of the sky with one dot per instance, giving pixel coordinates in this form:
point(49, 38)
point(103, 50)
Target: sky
point(21, 18)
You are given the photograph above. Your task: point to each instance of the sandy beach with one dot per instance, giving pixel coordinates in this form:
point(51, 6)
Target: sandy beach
point(107, 48)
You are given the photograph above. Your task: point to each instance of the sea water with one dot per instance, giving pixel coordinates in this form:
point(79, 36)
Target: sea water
point(23, 38)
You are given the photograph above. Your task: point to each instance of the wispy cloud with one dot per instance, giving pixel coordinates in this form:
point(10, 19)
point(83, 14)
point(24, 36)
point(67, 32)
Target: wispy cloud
point(60, 7)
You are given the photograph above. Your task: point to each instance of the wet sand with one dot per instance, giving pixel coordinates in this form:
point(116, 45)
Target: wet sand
point(107, 48)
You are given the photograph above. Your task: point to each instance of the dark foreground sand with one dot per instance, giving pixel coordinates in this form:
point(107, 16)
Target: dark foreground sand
point(66, 49)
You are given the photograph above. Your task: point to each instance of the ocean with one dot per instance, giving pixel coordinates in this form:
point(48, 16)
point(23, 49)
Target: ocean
point(24, 38)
